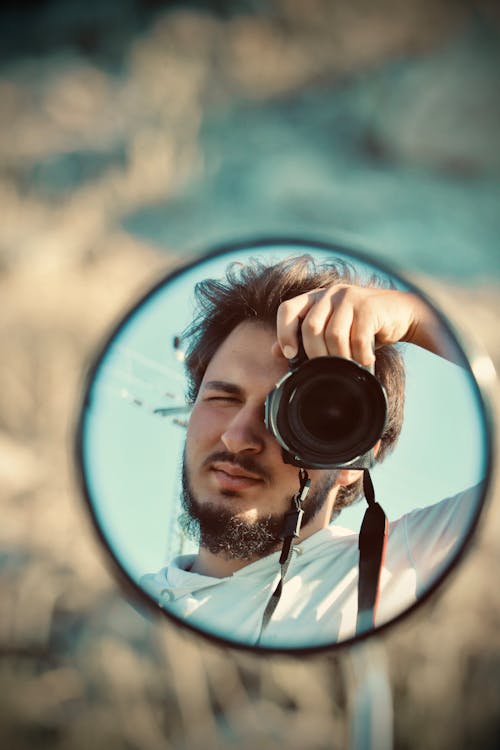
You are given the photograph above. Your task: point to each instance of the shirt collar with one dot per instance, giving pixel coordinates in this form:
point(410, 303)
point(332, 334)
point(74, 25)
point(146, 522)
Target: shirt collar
point(178, 572)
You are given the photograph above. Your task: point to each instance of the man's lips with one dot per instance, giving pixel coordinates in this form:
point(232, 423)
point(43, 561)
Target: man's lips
point(233, 477)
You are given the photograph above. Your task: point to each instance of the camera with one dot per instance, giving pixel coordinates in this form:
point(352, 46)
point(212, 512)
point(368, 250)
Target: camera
point(326, 413)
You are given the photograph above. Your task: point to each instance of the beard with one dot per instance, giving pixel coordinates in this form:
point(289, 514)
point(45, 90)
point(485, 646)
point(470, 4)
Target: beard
point(223, 532)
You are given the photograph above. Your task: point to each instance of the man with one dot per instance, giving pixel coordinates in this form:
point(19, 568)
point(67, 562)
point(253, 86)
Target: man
point(236, 487)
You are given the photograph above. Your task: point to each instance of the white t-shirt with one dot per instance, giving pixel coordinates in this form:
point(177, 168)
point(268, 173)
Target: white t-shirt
point(318, 605)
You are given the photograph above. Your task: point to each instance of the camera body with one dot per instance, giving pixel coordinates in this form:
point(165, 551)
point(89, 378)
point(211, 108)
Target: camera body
point(327, 413)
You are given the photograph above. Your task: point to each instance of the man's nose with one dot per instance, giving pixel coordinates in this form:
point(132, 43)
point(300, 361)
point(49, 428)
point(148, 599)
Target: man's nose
point(245, 433)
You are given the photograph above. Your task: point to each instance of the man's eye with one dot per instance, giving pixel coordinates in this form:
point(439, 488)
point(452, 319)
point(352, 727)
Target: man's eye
point(226, 399)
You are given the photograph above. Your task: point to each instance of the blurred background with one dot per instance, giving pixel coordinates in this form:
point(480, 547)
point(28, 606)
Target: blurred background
point(134, 135)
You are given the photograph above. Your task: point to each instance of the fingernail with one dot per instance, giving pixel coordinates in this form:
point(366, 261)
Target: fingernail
point(289, 351)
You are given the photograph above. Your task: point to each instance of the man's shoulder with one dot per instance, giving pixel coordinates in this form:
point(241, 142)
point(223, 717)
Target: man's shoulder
point(176, 567)
point(457, 507)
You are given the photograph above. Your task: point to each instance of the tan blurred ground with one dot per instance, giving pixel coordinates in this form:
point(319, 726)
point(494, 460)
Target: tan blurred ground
point(81, 669)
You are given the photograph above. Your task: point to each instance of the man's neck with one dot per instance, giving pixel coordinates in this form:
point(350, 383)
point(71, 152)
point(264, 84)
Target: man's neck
point(207, 563)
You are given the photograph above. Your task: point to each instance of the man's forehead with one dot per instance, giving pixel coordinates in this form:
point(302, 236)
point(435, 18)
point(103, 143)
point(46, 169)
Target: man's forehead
point(246, 354)
point(245, 337)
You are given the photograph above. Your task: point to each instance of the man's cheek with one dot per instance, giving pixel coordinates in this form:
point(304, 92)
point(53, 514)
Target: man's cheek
point(194, 430)
point(200, 425)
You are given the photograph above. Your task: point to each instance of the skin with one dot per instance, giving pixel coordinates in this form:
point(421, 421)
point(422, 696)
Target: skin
point(352, 322)
point(228, 415)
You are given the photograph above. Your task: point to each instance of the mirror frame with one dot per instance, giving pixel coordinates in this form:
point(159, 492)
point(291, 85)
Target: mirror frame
point(135, 595)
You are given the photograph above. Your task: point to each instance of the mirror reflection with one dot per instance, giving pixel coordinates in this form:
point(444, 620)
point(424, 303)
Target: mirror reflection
point(258, 409)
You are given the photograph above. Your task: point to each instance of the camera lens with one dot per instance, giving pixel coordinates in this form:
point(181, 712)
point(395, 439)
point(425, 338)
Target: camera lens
point(328, 409)
point(328, 412)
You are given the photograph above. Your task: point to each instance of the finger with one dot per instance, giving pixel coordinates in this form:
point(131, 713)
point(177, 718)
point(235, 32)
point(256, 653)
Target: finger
point(338, 332)
point(313, 328)
point(288, 321)
point(276, 351)
point(363, 337)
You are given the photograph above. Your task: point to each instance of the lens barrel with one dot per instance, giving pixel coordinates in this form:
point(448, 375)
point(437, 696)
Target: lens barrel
point(327, 413)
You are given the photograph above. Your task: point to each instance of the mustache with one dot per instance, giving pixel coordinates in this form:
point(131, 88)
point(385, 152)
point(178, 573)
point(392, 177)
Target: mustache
point(247, 463)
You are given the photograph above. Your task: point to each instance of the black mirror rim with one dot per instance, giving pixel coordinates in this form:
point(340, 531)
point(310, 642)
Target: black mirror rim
point(133, 592)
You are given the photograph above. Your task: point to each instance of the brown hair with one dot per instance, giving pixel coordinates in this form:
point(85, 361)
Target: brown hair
point(254, 291)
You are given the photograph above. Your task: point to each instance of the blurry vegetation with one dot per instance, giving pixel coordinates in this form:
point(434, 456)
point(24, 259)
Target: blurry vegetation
point(103, 108)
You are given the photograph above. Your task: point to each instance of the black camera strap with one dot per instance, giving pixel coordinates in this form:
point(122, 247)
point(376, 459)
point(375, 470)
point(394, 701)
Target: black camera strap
point(291, 530)
point(372, 546)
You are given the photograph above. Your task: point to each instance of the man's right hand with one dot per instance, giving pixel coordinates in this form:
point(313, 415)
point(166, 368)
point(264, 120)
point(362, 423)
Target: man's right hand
point(353, 321)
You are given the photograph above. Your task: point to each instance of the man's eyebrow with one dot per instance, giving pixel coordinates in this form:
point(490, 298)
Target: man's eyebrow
point(222, 385)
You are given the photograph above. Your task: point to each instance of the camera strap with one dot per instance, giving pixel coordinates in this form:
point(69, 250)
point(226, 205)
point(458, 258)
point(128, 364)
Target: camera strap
point(290, 531)
point(372, 546)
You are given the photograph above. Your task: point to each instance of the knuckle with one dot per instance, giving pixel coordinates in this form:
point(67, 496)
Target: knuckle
point(358, 341)
point(284, 309)
point(334, 336)
point(311, 325)
point(344, 290)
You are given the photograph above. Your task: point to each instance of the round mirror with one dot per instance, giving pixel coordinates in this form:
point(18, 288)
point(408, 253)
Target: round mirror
point(200, 505)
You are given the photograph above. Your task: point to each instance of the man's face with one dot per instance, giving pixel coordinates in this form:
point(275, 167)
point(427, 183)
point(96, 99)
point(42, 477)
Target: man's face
point(234, 474)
